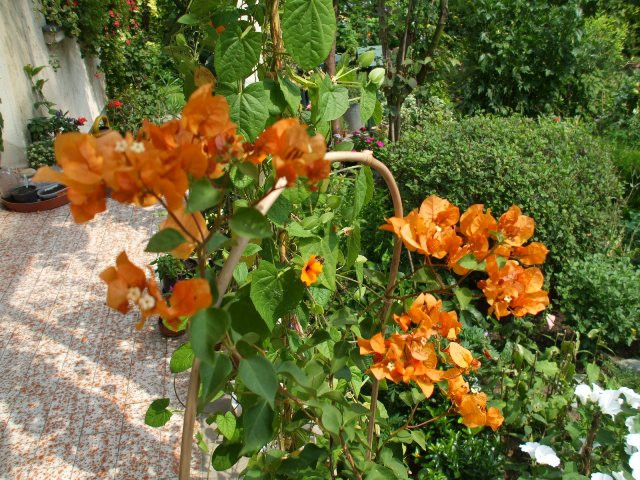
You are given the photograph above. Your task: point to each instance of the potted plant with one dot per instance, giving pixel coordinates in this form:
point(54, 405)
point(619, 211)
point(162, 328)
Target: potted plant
point(60, 17)
point(170, 270)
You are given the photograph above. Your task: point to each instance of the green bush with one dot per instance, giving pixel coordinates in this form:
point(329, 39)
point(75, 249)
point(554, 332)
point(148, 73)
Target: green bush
point(600, 292)
point(535, 57)
point(556, 172)
point(41, 153)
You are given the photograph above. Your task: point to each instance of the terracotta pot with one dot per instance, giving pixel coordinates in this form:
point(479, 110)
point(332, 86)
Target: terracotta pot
point(166, 332)
point(55, 202)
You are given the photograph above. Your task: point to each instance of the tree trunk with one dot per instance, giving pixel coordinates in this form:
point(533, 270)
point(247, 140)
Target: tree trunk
point(331, 70)
point(276, 34)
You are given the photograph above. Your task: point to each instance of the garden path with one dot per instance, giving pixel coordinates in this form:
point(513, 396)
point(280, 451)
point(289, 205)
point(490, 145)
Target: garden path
point(77, 377)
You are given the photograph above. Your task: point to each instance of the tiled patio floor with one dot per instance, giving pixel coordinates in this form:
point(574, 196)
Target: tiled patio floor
point(76, 378)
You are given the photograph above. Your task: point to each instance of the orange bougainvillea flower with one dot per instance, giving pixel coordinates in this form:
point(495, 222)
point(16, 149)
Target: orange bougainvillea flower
point(439, 212)
point(517, 228)
point(193, 228)
point(294, 153)
point(533, 254)
point(425, 311)
point(513, 289)
point(428, 230)
point(187, 298)
point(462, 357)
point(375, 345)
point(311, 269)
point(79, 156)
point(126, 284)
point(474, 412)
point(206, 115)
point(475, 222)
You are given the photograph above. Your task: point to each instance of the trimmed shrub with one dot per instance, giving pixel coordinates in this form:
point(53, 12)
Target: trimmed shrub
point(41, 153)
point(555, 171)
point(600, 292)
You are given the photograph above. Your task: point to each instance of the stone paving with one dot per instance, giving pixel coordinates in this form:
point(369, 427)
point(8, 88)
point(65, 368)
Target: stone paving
point(76, 378)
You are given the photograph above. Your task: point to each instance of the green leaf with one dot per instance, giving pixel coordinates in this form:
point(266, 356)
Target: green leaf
point(249, 222)
point(353, 247)
point(259, 376)
point(182, 358)
point(292, 370)
point(226, 456)
point(251, 249)
point(547, 368)
point(291, 93)
point(237, 53)
point(164, 241)
point(207, 328)
point(257, 426)
point(419, 438)
point(226, 424)
point(274, 293)
point(593, 373)
point(188, 19)
point(240, 273)
point(308, 30)
point(368, 101)
point(277, 103)
point(469, 261)
point(333, 100)
point(245, 319)
point(344, 147)
point(157, 414)
point(360, 196)
point(297, 230)
point(377, 113)
point(213, 376)
point(249, 110)
point(464, 296)
point(280, 211)
point(202, 195)
point(331, 418)
point(216, 241)
point(201, 442)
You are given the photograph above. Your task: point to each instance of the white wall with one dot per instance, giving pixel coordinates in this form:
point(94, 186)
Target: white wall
point(74, 87)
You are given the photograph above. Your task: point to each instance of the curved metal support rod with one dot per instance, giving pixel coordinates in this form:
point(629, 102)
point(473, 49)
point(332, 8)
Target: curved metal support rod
point(367, 158)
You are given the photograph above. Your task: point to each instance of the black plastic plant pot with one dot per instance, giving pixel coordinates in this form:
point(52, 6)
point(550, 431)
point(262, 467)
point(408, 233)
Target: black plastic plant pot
point(25, 194)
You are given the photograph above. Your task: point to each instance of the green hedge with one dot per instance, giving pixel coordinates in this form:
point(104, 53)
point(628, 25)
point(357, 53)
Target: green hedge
point(555, 171)
point(600, 292)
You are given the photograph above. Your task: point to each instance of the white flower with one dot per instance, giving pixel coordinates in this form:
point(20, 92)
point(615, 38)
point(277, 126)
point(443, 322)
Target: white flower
point(595, 393)
point(633, 398)
point(583, 392)
point(551, 320)
point(633, 440)
point(529, 447)
point(634, 463)
point(542, 454)
point(137, 147)
point(121, 146)
point(619, 475)
point(609, 402)
point(601, 476)
point(630, 424)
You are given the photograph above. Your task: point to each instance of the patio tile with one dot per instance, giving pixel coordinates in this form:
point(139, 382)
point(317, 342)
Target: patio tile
point(77, 377)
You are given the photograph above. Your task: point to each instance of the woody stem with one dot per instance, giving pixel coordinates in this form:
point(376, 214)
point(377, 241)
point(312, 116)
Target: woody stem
point(222, 282)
